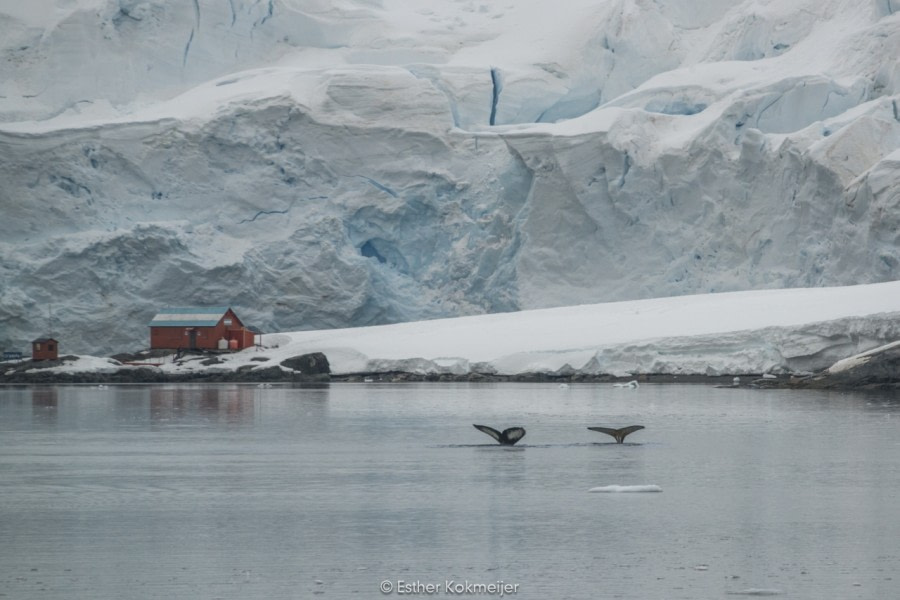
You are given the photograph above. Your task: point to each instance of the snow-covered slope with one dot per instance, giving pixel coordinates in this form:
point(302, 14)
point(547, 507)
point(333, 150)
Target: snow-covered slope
point(788, 330)
point(354, 162)
point(771, 331)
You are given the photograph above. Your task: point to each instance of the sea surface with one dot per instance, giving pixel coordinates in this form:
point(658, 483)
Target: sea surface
point(354, 490)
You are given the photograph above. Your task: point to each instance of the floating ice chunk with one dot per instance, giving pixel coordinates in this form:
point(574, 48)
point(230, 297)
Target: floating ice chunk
point(631, 385)
point(757, 592)
point(625, 488)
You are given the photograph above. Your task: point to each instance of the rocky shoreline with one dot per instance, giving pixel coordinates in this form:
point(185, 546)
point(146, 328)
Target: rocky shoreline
point(275, 375)
point(877, 369)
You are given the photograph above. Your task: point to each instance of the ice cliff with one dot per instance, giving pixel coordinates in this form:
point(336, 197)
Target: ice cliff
point(355, 162)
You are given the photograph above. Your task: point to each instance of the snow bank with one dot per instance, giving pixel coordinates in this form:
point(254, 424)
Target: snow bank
point(740, 332)
point(776, 331)
point(82, 364)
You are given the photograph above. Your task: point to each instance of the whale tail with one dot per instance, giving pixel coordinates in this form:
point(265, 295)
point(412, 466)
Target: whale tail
point(618, 434)
point(507, 437)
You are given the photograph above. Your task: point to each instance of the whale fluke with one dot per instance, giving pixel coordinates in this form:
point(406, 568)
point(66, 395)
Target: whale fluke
point(619, 434)
point(507, 437)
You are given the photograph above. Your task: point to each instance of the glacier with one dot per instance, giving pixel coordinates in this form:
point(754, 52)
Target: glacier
point(324, 165)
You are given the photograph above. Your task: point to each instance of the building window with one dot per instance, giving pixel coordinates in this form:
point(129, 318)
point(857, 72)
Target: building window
point(49, 347)
point(37, 347)
point(227, 322)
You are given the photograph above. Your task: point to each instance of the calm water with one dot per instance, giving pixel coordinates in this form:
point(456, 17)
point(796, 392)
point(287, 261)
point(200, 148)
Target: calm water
point(202, 492)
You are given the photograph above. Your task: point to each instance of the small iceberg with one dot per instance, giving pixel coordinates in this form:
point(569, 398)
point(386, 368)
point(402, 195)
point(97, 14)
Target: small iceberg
point(631, 385)
point(615, 489)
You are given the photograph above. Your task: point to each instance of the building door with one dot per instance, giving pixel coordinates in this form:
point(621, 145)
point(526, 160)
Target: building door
point(192, 339)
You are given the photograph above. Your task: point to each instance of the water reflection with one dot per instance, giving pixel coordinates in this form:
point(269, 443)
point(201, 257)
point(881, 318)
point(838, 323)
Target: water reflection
point(234, 405)
point(45, 404)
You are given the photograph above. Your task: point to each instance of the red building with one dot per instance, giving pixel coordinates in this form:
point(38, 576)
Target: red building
point(45, 348)
point(199, 328)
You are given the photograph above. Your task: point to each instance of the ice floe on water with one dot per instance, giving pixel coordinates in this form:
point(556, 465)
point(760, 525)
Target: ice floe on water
point(631, 385)
point(614, 489)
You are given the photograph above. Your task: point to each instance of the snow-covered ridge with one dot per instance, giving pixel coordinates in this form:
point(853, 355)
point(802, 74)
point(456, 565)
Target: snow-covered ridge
point(338, 164)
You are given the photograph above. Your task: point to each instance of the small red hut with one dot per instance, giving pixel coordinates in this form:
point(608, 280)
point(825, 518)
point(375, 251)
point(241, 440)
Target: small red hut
point(45, 348)
point(199, 328)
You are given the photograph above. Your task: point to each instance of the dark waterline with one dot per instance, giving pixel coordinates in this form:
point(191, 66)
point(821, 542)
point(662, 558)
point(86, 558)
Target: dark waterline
point(234, 491)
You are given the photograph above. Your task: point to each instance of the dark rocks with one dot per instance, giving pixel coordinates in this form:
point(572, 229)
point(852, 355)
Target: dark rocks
point(127, 357)
point(248, 373)
point(315, 363)
point(244, 374)
point(40, 376)
point(876, 369)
